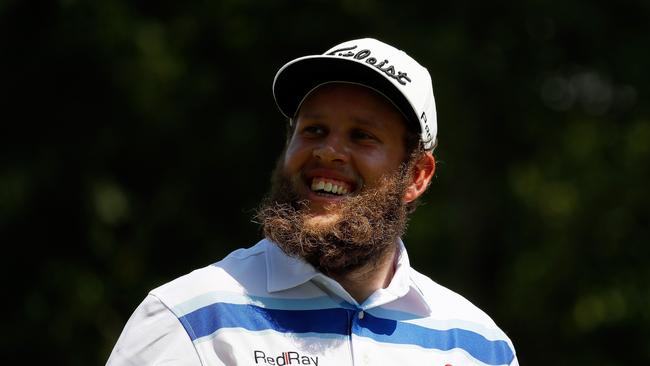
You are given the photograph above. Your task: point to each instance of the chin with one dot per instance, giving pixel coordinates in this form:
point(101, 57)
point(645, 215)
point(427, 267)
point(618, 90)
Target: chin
point(322, 219)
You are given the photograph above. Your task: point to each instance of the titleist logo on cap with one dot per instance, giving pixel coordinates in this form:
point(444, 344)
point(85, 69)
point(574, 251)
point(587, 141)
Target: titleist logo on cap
point(389, 70)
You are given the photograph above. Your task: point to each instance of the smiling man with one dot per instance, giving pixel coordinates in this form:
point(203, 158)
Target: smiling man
point(330, 284)
point(342, 186)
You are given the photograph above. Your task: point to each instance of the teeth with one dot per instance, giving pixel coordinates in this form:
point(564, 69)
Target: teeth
point(320, 184)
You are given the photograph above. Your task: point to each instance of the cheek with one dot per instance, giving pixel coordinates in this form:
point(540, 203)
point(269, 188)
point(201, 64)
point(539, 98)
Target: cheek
point(379, 164)
point(373, 170)
point(295, 156)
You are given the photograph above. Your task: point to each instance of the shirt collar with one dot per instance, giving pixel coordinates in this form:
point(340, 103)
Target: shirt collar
point(285, 272)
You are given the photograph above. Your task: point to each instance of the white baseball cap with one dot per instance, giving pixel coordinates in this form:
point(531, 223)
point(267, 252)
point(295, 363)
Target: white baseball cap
point(367, 62)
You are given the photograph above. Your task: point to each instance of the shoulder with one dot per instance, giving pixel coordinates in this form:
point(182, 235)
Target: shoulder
point(153, 335)
point(449, 306)
point(450, 310)
point(156, 332)
point(238, 270)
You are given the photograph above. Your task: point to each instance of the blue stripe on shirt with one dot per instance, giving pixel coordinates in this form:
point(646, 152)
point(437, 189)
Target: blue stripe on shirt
point(209, 319)
point(496, 352)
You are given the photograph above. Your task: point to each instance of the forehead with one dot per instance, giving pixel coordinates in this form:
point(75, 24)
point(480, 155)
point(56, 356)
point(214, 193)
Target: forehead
point(345, 98)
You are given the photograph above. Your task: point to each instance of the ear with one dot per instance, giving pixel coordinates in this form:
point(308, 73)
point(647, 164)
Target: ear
point(421, 176)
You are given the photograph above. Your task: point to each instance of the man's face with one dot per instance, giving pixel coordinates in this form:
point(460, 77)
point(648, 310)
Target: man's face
point(338, 194)
point(346, 138)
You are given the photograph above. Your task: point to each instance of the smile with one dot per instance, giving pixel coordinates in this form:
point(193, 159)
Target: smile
point(331, 186)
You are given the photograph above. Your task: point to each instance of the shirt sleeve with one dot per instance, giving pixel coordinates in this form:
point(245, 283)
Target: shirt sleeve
point(153, 336)
point(514, 362)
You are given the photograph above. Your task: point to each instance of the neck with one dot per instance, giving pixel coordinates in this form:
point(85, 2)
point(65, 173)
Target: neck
point(363, 282)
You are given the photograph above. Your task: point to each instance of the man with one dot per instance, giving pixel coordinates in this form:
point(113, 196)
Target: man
point(331, 282)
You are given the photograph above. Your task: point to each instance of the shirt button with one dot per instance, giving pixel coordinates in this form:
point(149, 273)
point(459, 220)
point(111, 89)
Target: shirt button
point(361, 314)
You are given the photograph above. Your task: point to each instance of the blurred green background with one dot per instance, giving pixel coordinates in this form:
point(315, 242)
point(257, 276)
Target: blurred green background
point(137, 138)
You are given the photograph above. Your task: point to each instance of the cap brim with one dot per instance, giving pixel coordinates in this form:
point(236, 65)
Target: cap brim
point(299, 77)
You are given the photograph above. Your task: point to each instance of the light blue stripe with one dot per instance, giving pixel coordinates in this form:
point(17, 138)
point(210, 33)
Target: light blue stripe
point(206, 299)
point(392, 314)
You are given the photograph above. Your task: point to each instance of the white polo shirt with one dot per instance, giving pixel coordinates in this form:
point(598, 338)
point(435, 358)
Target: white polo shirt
point(259, 306)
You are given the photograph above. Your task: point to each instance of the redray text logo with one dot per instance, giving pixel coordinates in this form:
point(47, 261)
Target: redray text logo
point(285, 358)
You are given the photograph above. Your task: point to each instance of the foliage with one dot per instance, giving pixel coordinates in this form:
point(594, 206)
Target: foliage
point(137, 139)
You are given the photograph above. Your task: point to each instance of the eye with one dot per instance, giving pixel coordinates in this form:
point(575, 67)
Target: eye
point(361, 135)
point(314, 130)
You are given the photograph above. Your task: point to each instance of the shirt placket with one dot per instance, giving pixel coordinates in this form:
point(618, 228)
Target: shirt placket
point(357, 355)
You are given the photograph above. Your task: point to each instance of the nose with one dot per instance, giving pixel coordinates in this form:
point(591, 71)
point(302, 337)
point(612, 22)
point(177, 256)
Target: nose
point(330, 151)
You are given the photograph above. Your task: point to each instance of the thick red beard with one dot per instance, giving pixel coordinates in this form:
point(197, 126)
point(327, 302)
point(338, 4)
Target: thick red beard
point(362, 229)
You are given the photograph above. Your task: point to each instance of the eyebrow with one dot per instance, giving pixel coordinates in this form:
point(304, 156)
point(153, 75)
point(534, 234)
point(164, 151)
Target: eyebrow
point(311, 116)
point(359, 120)
point(364, 122)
